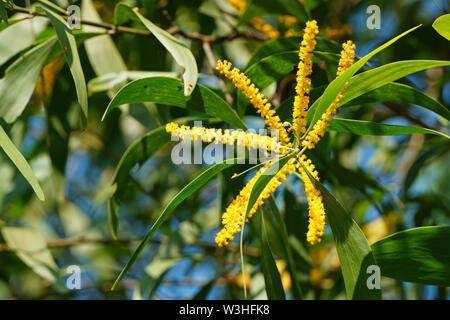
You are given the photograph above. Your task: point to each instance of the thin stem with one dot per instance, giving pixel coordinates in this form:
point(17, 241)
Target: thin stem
point(212, 65)
point(112, 29)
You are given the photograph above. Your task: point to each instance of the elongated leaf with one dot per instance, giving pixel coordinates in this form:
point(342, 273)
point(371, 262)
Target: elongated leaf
point(369, 128)
point(3, 13)
point(442, 26)
point(378, 77)
point(31, 248)
point(283, 44)
point(429, 152)
point(17, 86)
point(202, 179)
point(25, 30)
point(169, 91)
point(139, 152)
point(272, 279)
point(401, 93)
point(19, 161)
point(69, 45)
point(112, 81)
point(337, 84)
point(417, 255)
point(264, 7)
point(353, 249)
point(101, 51)
point(182, 55)
point(287, 251)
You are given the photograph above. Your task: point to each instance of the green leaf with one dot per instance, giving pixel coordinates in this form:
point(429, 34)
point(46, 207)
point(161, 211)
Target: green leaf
point(369, 128)
point(401, 93)
point(114, 81)
point(378, 77)
point(181, 54)
point(337, 84)
point(169, 91)
point(442, 26)
point(432, 151)
point(19, 161)
point(284, 44)
point(272, 279)
point(69, 45)
point(351, 244)
point(286, 251)
point(17, 86)
point(202, 179)
point(31, 248)
point(263, 7)
point(139, 152)
point(102, 53)
point(417, 255)
point(3, 13)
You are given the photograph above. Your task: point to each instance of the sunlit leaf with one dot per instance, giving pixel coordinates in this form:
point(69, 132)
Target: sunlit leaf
point(369, 128)
point(169, 91)
point(337, 84)
point(69, 45)
point(417, 255)
point(182, 55)
point(20, 162)
point(17, 86)
point(442, 26)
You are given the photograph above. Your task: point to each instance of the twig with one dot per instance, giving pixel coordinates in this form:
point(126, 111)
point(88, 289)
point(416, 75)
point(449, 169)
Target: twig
point(212, 63)
point(112, 29)
point(70, 242)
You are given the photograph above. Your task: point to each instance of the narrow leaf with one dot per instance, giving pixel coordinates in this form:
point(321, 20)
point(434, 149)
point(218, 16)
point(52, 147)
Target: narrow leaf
point(169, 91)
point(337, 84)
point(368, 128)
point(272, 279)
point(351, 244)
point(442, 26)
point(417, 255)
point(19, 161)
point(17, 86)
point(182, 55)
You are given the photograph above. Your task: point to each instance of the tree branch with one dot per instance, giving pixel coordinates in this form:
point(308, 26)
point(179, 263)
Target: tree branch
point(70, 242)
point(112, 29)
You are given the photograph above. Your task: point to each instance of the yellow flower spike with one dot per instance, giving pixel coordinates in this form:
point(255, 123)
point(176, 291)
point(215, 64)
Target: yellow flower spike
point(257, 99)
point(316, 208)
point(232, 218)
point(216, 136)
point(301, 101)
point(346, 60)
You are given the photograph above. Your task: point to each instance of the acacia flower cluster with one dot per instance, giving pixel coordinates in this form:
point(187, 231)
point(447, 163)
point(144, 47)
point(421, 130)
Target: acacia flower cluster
point(233, 217)
point(313, 136)
point(301, 101)
point(211, 135)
